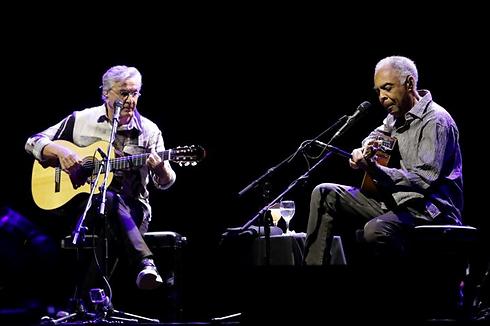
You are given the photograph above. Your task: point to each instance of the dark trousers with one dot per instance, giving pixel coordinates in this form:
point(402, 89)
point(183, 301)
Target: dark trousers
point(337, 207)
point(120, 237)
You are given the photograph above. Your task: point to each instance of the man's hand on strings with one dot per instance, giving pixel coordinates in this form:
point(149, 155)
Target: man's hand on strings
point(71, 163)
point(365, 156)
point(355, 161)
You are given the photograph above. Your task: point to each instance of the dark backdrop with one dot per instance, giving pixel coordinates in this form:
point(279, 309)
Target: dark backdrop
point(248, 90)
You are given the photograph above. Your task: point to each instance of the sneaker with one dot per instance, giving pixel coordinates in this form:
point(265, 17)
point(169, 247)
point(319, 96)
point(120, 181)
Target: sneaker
point(148, 278)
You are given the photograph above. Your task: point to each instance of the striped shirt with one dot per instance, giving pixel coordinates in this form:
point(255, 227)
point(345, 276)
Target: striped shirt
point(430, 160)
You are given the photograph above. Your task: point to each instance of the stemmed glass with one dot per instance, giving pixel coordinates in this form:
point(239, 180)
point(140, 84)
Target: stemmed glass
point(275, 213)
point(287, 209)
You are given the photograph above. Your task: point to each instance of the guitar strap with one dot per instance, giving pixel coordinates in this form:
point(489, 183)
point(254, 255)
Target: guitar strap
point(65, 132)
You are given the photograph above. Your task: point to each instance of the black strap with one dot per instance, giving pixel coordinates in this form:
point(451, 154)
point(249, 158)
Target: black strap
point(65, 132)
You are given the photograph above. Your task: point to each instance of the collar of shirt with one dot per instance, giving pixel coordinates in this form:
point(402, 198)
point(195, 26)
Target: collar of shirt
point(416, 112)
point(418, 109)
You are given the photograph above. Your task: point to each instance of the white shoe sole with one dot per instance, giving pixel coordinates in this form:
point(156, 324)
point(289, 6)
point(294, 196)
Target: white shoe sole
point(148, 280)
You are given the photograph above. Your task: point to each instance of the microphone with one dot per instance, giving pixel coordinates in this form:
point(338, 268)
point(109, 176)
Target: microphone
point(118, 104)
point(333, 149)
point(360, 111)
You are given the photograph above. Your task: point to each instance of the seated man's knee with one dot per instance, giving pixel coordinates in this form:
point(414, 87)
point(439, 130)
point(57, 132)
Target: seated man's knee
point(322, 190)
point(316, 193)
point(384, 239)
point(372, 232)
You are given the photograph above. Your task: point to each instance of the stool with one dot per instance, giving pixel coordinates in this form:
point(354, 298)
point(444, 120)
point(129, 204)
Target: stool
point(165, 239)
point(87, 242)
point(167, 250)
point(440, 239)
point(164, 245)
point(450, 239)
point(435, 270)
point(444, 253)
point(157, 239)
point(452, 244)
point(167, 247)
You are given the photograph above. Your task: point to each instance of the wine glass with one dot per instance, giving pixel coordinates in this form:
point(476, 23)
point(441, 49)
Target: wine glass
point(275, 213)
point(287, 209)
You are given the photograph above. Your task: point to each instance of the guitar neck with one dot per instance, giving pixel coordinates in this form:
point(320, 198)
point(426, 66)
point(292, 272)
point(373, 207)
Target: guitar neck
point(135, 161)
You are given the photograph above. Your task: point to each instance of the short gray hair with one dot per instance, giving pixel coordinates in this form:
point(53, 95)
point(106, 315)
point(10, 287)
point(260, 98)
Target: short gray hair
point(118, 74)
point(403, 65)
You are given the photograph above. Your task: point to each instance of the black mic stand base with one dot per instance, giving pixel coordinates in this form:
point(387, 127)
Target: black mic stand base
point(104, 313)
point(79, 315)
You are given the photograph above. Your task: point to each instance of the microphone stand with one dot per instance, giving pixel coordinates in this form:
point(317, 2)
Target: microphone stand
point(291, 185)
point(108, 309)
point(80, 230)
point(105, 164)
point(262, 212)
point(78, 240)
point(257, 181)
point(103, 187)
point(106, 312)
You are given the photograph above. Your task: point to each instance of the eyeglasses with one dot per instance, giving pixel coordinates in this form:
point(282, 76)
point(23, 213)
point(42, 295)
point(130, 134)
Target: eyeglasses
point(126, 93)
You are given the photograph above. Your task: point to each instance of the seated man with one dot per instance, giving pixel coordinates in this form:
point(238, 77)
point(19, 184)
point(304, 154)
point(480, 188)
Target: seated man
point(425, 186)
point(127, 206)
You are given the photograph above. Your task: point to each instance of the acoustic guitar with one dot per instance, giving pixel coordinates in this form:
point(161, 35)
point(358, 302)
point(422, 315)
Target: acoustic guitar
point(52, 187)
point(381, 148)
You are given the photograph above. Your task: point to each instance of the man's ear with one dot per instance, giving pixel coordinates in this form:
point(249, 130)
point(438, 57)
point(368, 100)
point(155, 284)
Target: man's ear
point(410, 83)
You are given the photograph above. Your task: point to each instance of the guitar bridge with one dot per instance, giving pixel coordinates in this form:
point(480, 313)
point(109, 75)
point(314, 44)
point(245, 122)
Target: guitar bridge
point(57, 179)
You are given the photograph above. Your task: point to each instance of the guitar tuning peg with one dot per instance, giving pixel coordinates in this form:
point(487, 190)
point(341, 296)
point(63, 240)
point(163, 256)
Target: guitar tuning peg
point(194, 163)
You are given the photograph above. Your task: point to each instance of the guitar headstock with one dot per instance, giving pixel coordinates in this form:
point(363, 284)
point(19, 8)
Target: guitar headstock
point(187, 155)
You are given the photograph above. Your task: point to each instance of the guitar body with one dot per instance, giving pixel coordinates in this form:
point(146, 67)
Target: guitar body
point(52, 187)
point(383, 156)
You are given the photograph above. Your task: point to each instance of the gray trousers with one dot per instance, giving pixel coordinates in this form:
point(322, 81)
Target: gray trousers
point(332, 205)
